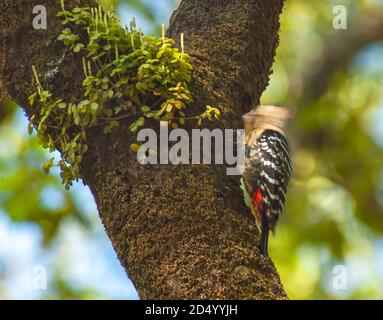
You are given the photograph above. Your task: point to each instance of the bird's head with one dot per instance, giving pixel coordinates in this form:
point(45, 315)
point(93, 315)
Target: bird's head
point(264, 118)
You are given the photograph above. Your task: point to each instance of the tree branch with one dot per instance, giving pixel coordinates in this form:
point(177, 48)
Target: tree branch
point(367, 28)
point(179, 231)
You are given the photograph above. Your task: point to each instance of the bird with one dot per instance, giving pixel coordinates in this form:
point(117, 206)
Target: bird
point(268, 166)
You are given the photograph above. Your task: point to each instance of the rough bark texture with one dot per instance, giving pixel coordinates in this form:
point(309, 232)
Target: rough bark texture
point(179, 231)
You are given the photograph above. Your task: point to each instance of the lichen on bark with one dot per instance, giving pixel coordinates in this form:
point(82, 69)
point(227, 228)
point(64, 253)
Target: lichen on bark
point(179, 231)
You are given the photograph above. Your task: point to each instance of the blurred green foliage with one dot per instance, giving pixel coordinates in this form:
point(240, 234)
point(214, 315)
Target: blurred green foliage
point(334, 212)
point(23, 183)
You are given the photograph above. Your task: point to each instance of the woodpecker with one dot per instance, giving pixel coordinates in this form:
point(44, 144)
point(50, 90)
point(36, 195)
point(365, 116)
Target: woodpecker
point(267, 166)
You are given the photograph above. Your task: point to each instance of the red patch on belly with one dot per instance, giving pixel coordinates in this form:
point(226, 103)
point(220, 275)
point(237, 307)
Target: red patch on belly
point(257, 201)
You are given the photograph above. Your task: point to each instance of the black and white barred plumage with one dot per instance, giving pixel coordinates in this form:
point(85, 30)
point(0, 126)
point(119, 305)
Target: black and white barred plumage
point(268, 166)
point(270, 169)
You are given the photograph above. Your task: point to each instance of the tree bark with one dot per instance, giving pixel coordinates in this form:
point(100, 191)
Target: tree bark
point(180, 232)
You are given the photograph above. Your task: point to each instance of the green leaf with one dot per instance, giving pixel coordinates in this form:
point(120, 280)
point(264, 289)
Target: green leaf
point(94, 106)
point(32, 98)
point(146, 109)
point(62, 105)
point(30, 128)
point(107, 47)
point(77, 48)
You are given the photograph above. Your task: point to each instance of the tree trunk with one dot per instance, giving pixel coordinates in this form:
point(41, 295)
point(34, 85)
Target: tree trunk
point(181, 232)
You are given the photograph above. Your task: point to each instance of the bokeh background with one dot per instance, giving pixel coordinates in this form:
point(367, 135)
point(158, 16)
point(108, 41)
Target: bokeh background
point(334, 215)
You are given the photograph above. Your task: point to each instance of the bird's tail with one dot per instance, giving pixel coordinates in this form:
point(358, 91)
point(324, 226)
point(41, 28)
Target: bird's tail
point(264, 235)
